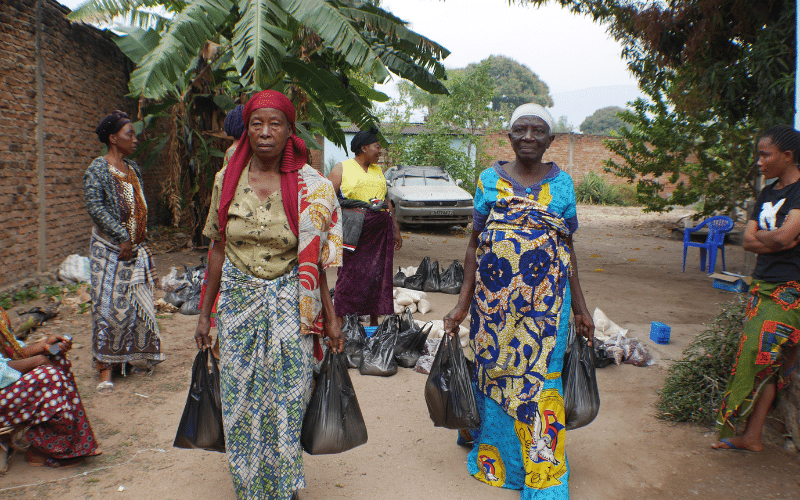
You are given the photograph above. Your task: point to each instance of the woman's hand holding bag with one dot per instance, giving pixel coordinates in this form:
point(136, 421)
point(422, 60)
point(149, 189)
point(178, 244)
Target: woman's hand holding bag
point(333, 422)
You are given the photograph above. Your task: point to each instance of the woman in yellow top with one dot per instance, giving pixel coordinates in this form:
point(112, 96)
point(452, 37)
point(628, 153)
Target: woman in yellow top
point(364, 283)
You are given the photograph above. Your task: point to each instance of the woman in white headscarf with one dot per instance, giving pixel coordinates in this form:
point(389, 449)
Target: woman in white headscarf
point(520, 280)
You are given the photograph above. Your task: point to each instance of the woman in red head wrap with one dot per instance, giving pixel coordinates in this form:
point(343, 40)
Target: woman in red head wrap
point(277, 224)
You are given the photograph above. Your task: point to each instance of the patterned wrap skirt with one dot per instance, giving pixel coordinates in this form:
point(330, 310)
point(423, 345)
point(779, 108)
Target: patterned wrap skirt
point(772, 325)
point(124, 326)
point(364, 282)
point(519, 329)
point(46, 399)
point(266, 373)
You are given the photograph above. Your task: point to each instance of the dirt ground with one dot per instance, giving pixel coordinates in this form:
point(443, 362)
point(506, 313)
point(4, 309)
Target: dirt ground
point(629, 268)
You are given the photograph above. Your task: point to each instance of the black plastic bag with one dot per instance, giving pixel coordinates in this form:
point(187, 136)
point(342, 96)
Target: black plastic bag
point(378, 355)
point(581, 396)
point(333, 422)
point(406, 320)
point(399, 278)
point(601, 357)
point(448, 390)
point(201, 423)
point(452, 279)
point(355, 339)
point(434, 281)
point(178, 296)
point(417, 280)
point(191, 305)
point(410, 344)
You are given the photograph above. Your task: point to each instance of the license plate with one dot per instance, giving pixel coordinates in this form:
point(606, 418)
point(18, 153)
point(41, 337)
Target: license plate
point(441, 212)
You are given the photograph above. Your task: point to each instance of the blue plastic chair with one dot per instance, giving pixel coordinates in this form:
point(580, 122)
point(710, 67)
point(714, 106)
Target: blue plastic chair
point(717, 227)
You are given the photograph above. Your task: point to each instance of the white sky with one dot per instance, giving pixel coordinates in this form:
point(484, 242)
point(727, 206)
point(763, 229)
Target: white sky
point(568, 52)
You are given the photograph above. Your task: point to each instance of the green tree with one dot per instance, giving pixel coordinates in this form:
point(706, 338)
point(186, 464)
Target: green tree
point(603, 121)
point(716, 72)
point(563, 126)
point(201, 56)
point(515, 84)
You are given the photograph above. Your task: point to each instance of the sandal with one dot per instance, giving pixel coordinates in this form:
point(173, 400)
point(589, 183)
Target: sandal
point(33, 459)
point(106, 387)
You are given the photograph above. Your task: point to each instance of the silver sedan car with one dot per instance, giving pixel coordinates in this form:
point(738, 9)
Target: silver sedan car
point(427, 195)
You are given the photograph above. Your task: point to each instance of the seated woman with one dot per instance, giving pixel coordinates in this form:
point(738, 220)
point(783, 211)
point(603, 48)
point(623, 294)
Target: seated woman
point(37, 389)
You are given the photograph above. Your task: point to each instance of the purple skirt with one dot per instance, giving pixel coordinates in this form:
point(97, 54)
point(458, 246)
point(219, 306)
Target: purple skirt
point(364, 282)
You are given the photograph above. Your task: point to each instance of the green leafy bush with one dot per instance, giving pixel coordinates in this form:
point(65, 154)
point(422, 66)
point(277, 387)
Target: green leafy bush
point(595, 190)
point(694, 384)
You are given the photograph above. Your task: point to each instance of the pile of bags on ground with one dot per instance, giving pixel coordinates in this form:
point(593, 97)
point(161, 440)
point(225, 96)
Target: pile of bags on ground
point(611, 344)
point(427, 277)
point(399, 341)
point(183, 291)
point(412, 284)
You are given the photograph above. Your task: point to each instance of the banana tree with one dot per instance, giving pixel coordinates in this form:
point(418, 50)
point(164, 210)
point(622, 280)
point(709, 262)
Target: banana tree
point(325, 54)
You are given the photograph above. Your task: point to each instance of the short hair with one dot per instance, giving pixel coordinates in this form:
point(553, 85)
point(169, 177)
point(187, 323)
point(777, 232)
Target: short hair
point(786, 138)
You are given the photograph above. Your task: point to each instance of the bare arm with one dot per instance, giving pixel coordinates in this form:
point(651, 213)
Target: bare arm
point(398, 238)
point(335, 176)
point(584, 325)
point(782, 238)
point(215, 261)
point(454, 318)
point(329, 320)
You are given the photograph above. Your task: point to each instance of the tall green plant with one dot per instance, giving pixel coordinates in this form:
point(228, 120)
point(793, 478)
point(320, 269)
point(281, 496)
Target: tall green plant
point(203, 55)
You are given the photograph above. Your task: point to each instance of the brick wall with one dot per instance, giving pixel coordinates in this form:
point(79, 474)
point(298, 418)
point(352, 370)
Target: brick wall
point(57, 80)
point(576, 154)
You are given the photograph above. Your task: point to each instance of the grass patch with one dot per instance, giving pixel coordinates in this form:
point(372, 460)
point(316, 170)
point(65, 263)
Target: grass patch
point(595, 190)
point(694, 385)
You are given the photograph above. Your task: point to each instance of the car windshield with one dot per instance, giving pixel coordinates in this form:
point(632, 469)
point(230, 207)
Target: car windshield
point(423, 181)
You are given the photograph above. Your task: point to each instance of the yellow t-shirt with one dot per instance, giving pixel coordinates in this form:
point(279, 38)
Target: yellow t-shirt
point(259, 241)
point(360, 185)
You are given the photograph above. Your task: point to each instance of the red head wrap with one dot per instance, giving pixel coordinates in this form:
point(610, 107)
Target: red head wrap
point(295, 155)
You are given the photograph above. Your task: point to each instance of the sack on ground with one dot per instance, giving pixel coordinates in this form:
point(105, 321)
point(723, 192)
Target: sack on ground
point(355, 339)
point(581, 396)
point(417, 280)
point(75, 269)
point(452, 279)
point(378, 355)
point(201, 423)
point(448, 390)
point(333, 422)
point(399, 278)
point(434, 281)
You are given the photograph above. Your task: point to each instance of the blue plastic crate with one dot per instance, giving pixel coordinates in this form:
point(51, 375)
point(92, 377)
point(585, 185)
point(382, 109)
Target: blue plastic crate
point(370, 330)
point(659, 332)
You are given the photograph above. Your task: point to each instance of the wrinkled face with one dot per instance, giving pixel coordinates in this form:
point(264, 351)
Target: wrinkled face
point(530, 137)
point(125, 140)
point(372, 152)
point(268, 130)
point(772, 162)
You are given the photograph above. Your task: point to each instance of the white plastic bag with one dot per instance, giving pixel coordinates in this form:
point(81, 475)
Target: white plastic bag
point(75, 269)
point(403, 300)
point(423, 306)
point(604, 328)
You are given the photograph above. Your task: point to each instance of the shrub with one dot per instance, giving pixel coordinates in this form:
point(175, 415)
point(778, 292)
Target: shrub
point(694, 385)
point(595, 190)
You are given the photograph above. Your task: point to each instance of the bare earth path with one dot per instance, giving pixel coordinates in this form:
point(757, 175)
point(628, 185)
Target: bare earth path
point(628, 268)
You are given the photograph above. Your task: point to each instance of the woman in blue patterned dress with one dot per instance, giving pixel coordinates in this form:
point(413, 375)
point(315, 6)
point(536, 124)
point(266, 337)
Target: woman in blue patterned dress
point(521, 278)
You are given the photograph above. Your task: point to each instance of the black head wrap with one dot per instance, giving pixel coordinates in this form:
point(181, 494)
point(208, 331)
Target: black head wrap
point(364, 138)
point(234, 122)
point(111, 124)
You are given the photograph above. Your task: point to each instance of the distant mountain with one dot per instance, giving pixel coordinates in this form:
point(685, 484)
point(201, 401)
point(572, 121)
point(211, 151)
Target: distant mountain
point(578, 104)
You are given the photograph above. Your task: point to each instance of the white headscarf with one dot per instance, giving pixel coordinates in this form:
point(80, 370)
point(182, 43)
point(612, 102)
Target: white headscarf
point(532, 109)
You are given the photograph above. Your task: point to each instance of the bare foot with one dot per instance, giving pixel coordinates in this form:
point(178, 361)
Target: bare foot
point(738, 443)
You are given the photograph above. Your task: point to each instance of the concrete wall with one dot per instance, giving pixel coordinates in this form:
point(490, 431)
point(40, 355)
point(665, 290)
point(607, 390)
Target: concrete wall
point(57, 80)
